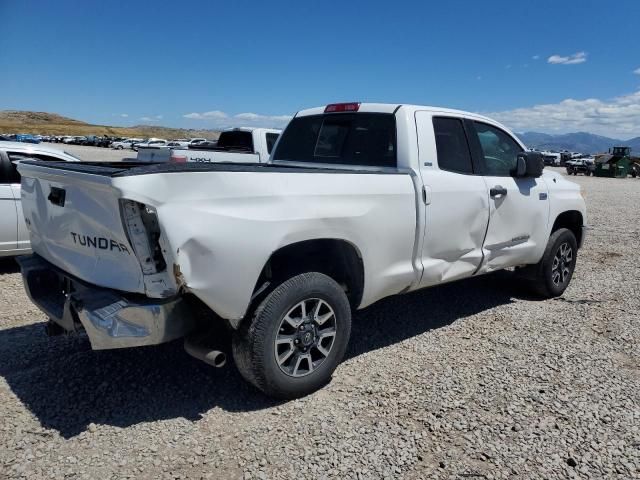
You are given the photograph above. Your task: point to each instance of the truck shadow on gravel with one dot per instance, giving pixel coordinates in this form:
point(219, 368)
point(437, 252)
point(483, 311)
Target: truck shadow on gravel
point(8, 265)
point(67, 386)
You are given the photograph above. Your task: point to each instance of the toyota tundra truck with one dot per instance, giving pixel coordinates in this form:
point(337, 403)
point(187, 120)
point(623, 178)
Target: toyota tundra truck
point(358, 202)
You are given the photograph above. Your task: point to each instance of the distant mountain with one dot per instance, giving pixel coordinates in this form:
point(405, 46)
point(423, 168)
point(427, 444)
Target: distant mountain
point(577, 142)
point(43, 123)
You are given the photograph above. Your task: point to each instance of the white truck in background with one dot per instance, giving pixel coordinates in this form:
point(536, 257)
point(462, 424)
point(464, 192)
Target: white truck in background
point(240, 145)
point(358, 202)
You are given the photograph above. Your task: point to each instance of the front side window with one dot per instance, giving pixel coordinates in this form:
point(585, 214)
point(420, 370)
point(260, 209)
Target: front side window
point(451, 145)
point(499, 149)
point(364, 139)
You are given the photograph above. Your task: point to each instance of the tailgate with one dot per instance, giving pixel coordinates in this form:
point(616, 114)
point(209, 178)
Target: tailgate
point(75, 223)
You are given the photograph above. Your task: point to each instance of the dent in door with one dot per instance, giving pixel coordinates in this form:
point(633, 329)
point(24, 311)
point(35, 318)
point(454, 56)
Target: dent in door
point(517, 226)
point(456, 251)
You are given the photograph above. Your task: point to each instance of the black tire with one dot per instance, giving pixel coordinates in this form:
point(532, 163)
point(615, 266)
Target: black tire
point(119, 147)
point(542, 276)
point(254, 343)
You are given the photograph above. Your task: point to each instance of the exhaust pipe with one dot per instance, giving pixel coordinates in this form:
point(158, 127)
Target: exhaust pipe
point(215, 358)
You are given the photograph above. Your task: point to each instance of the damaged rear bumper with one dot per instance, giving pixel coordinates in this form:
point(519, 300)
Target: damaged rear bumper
point(110, 318)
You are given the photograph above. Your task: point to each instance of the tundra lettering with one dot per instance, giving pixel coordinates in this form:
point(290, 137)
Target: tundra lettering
point(98, 242)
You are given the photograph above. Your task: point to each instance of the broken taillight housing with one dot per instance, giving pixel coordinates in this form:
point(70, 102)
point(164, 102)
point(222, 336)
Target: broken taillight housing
point(143, 231)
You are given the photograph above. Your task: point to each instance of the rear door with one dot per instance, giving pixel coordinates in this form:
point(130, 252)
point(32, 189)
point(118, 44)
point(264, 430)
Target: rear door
point(456, 197)
point(8, 213)
point(517, 232)
point(23, 240)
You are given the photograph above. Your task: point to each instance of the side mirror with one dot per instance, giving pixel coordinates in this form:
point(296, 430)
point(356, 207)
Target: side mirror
point(529, 164)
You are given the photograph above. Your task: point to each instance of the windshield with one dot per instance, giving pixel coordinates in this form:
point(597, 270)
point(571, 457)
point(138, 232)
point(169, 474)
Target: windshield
point(364, 139)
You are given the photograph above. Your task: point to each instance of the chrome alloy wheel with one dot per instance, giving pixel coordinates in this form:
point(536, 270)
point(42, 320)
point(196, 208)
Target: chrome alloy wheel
point(305, 337)
point(562, 264)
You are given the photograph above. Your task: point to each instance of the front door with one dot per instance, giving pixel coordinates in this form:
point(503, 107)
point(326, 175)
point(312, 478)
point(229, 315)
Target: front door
point(456, 213)
point(519, 207)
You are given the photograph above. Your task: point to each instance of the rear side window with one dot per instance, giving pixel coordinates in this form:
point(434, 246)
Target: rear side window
point(9, 170)
point(452, 146)
point(15, 156)
point(365, 139)
point(271, 141)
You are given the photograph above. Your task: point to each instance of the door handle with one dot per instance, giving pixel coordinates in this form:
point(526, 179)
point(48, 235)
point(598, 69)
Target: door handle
point(497, 191)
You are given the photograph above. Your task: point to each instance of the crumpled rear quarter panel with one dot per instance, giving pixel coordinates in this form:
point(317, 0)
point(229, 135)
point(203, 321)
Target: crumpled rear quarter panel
point(222, 227)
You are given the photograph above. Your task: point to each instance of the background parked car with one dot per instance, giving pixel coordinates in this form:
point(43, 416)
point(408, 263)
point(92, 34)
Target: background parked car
point(14, 237)
point(152, 142)
point(126, 143)
point(104, 141)
point(585, 166)
point(26, 138)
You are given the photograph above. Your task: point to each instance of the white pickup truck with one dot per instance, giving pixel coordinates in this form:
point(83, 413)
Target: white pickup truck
point(358, 202)
point(240, 145)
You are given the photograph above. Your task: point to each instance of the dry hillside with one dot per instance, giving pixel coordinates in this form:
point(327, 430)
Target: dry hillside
point(12, 121)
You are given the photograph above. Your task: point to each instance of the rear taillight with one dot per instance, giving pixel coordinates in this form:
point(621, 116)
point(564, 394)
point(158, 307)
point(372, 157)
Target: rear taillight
point(143, 232)
point(178, 158)
point(342, 107)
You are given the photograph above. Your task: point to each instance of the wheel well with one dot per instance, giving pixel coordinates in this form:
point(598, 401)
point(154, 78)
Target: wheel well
point(572, 220)
point(337, 259)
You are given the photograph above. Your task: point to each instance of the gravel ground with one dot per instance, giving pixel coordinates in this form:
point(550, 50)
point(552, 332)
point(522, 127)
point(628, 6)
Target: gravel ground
point(94, 154)
point(469, 380)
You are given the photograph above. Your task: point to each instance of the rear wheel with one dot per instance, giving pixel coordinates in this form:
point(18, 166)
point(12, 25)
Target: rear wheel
point(296, 338)
point(550, 277)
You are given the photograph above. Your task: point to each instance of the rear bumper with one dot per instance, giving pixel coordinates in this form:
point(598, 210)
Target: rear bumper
point(110, 318)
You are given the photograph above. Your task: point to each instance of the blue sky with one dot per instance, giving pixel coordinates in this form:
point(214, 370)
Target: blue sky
point(546, 65)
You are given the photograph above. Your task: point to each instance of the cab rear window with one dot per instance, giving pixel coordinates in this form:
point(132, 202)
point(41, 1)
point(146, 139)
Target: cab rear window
point(362, 139)
point(235, 140)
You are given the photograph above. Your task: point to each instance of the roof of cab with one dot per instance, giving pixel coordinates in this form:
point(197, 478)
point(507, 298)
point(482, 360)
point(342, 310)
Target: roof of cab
point(393, 107)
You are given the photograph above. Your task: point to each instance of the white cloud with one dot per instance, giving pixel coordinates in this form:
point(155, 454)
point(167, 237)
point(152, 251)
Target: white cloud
point(637, 71)
point(151, 118)
point(617, 117)
point(264, 119)
point(124, 115)
point(221, 119)
point(536, 57)
point(579, 57)
point(213, 115)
